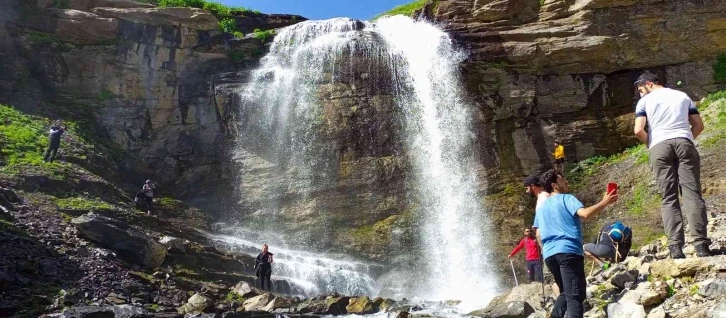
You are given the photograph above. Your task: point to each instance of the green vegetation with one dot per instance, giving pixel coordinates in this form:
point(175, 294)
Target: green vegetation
point(233, 296)
point(586, 168)
point(263, 36)
point(218, 9)
point(719, 70)
point(404, 9)
point(642, 200)
point(81, 203)
point(9, 227)
point(713, 111)
point(228, 25)
point(42, 37)
point(235, 56)
point(693, 289)
point(22, 137)
point(238, 34)
point(154, 307)
point(542, 2)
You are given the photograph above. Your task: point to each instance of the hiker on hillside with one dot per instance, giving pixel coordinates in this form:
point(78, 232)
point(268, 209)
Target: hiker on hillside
point(533, 187)
point(559, 232)
point(673, 123)
point(529, 243)
point(559, 157)
point(147, 195)
point(54, 139)
point(263, 264)
point(611, 245)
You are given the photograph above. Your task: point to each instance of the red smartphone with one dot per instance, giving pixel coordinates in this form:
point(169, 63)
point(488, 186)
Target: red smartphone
point(612, 188)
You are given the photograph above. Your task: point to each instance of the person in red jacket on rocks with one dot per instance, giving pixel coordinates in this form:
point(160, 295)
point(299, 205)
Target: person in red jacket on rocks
point(529, 243)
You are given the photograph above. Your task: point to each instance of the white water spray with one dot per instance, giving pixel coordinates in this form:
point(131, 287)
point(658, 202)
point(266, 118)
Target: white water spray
point(282, 106)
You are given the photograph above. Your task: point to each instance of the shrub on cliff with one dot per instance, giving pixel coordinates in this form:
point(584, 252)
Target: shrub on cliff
point(218, 9)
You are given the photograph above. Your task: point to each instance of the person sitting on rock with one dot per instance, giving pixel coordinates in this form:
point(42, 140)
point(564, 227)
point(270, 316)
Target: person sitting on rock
point(263, 264)
point(54, 139)
point(529, 243)
point(611, 245)
point(559, 232)
point(148, 192)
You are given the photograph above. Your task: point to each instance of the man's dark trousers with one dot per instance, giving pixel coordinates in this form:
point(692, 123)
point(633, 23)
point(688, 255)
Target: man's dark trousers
point(52, 151)
point(534, 269)
point(569, 273)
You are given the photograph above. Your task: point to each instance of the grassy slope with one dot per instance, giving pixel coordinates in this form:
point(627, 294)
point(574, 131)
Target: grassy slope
point(404, 9)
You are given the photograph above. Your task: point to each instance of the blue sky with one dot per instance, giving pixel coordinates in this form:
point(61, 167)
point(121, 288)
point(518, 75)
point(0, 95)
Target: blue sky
point(320, 9)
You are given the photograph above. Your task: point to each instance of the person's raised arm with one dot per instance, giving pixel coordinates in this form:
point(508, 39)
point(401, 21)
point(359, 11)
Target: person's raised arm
point(516, 249)
point(696, 124)
point(588, 212)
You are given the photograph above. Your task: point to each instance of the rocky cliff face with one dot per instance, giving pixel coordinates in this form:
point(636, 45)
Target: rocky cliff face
point(564, 70)
point(155, 80)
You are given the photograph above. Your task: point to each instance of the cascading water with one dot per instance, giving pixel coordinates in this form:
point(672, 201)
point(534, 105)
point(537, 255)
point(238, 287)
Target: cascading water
point(281, 140)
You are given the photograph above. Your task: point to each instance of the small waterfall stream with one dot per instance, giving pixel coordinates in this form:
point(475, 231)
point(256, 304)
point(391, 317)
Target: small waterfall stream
point(288, 158)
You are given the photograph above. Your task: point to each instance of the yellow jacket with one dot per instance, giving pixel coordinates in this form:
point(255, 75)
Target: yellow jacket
point(559, 152)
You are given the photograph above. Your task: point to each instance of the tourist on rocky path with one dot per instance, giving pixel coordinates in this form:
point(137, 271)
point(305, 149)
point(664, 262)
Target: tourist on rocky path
point(263, 264)
point(673, 123)
point(534, 188)
point(529, 243)
point(54, 139)
point(559, 231)
point(559, 157)
point(611, 245)
point(148, 191)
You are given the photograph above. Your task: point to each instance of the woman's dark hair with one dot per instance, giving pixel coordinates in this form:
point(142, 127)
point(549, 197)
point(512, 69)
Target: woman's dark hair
point(548, 178)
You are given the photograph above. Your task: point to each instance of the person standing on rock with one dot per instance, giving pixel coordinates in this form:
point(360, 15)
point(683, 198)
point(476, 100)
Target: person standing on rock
point(559, 231)
point(559, 157)
point(263, 264)
point(54, 139)
point(534, 188)
point(529, 243)
point(148, 190)
point(673, 124)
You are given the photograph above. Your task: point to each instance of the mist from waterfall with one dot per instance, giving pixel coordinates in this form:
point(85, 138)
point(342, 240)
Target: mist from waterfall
point(281, 111)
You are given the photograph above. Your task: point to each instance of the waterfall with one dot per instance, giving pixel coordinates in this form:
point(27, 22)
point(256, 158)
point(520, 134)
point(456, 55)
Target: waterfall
point(289, 159)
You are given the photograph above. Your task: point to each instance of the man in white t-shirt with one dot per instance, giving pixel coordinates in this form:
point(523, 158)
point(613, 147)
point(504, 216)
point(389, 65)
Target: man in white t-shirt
point(534, 188)
point(673, 123)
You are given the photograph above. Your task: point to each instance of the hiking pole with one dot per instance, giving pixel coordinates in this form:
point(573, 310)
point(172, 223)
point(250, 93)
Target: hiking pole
point(513, 272)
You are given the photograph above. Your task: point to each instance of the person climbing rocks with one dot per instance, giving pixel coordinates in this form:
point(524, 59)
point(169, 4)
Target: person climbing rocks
point(673, 123)
point(263, 264)
point(559, 157)
point(529, 243)
point(147, 190)
point(533, 187)
point(559, 232)
point(54, 140)
point(612, 244)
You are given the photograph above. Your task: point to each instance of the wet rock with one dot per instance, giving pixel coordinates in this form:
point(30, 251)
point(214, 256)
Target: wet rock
point(386, 304)
point(130, 244)
point(360, 305)
point(646, 294)
point(678, 267)
point(626, 310)
point(196, 304)
point(329, 306)
point(173, 244)
point(512, 309)
point(258, 303)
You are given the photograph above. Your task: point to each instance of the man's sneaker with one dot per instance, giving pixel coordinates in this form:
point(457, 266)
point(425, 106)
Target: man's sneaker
point(676, 252)
point(703, 250)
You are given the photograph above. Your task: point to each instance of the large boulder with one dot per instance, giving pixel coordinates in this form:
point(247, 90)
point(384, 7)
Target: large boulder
point(621, 280)
point(512, 309)
point(646, 294)
point(328, 306)
point(197, 304)
point(679, 267)
point(258, 303)
point(246, 291)
point(626, 310)
point(119, 311)
point(128, 243)
point(360, 305)
point(173, 244)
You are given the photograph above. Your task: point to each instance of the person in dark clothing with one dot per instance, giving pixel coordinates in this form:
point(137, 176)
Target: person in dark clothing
point(146, 195)
point(263, 264)
point(607, 249)
point(54, 139)
point(529, 243)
